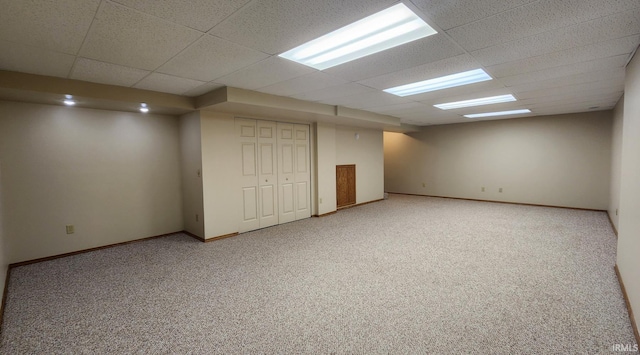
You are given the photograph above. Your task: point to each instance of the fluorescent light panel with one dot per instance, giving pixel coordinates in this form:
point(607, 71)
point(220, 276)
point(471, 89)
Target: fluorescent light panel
point(501, 113)
point(476, 102)
point(443, 82)
point(383, 30)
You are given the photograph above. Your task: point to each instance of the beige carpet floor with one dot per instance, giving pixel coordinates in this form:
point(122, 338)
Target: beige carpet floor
point(406, 275)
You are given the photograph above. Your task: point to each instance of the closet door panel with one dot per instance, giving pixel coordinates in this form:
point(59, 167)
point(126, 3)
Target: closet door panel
point(286, 173)
point(302, 171)
point(246, 135)
point(268, 178)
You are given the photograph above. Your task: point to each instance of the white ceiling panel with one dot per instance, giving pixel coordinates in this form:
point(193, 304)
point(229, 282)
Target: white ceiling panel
point(106, 73)
point(624, 45)
point(168, 83)
point(58, 25)
point(203, 89)
point(608, 75)
point(422, 72)
point(534, 18)
point(453, 13)
point(410, 107)
point(426, 50)
point(333, 91)
point(127, 37)
point(566, 70)
point(267, 72)
point(34, 60)
point(201, 15)
point(210, 58)
point(366, 100)
point(602, 86)
point(310, 82)
point(580, 96)
point(599, 30)
point(275, 26)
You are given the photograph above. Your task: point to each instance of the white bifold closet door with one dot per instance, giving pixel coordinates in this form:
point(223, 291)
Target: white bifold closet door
point(286, 173)
point(275, 175)
point(302, 171)
point(247, 139)
point(267, 174)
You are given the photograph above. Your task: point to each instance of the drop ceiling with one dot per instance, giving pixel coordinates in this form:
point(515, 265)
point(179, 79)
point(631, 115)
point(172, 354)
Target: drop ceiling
point(554, 56)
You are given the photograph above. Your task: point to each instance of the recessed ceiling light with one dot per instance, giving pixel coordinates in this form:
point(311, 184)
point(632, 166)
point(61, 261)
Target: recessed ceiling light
point(476, 102)
point(68, 100)
point(501, 113)
point(443, 82)
point(383, 30)
point(144, 108)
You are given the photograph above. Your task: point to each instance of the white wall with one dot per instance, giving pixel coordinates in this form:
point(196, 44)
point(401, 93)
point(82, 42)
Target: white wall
point(4, 263)
point(616, 157)
point(326, 158)
point(114, 175)
point(629, 216)
point(561, 160)
point(367, 154)
point(191, 169)
point(220, 169)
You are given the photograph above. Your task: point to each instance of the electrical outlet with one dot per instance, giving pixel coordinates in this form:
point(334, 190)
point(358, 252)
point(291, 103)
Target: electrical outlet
point(424, 184)
point(70, 229)
point(482, 189)
point(197, 217)
point(320, 199)
point(500, 189)
point(616, 211)
point(199, 173)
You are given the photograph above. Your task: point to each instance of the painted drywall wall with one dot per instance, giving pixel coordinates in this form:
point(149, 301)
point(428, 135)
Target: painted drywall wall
point(326, 171)
point(191, 170)
point(4, 264)
point(364, 148)
point(628, 259)
point(616, 157)
point(115, 176)
point(561, 160)
point(220, 169)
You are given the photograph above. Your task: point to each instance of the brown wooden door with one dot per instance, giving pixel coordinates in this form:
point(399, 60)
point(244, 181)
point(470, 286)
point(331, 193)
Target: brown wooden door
point(346, 185)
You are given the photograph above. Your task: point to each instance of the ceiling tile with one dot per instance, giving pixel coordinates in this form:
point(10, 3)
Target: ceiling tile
point(366, 100)
point(453, 13)
point(422, 72)
point(168, 83)
point(106, 73)
point(566, 70)
point(603, 29)
point(333, 91)
point(534, 18)
point(201, 15)
point(203, 89)
point(302, 84)
point(209, 58)
point(34, 60)
point(624, 45)
point(426, 50)
point(58, 25)
point(267, 72)
point(582, 84)
point(127, 37)
point(275, 26)
point(399, 108)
